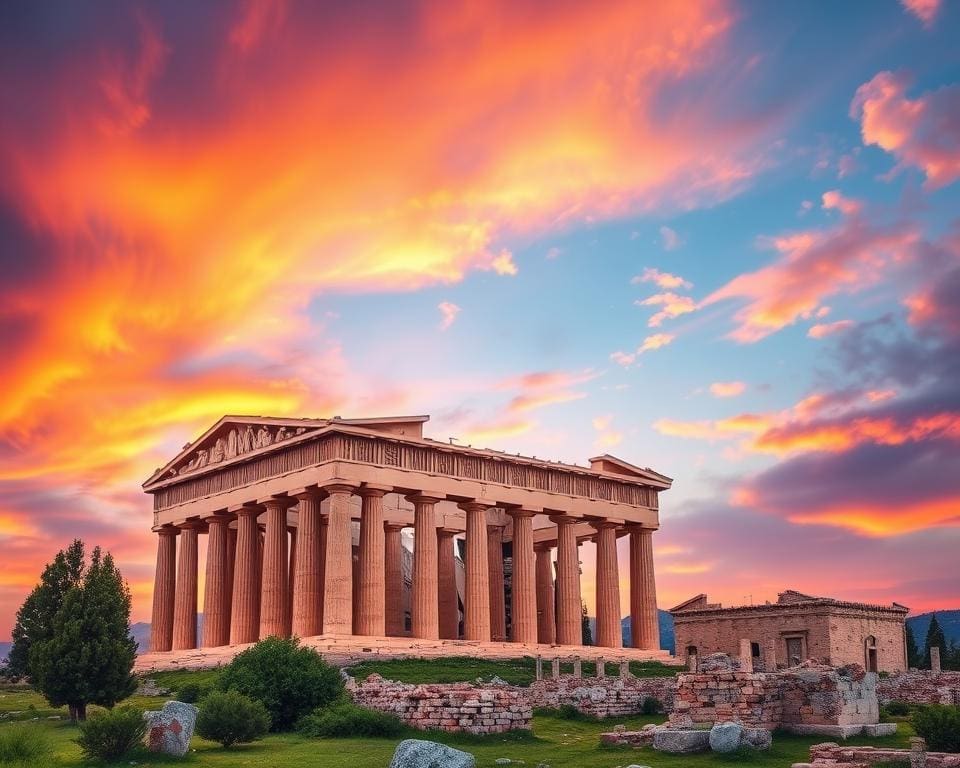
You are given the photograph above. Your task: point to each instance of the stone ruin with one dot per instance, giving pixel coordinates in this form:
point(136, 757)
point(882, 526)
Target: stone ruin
point(921, 687)
point(832, 755)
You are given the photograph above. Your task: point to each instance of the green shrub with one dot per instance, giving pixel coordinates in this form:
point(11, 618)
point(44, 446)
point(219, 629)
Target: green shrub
point(231, 718)
point(897, 708)
point(192, 692)
point(651, 706)
point(110, 734)
point(345, 719)
point(940, 726)
point(24, 745)
point(289, 680)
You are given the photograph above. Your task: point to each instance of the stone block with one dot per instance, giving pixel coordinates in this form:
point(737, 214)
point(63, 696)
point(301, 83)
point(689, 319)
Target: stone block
point(725, 737)
point(681, 741)
point(170, 729)
point(418, 753)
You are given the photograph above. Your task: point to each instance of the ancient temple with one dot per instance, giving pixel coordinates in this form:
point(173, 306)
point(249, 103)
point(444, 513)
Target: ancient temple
point(280, 499)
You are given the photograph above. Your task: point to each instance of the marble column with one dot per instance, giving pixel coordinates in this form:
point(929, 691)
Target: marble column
point(324, 527)
point(245, 609)
point(308, 567)
point(216, 593)
point(231, 562)
point(185, 601)
point(164, 589)
point(291, 574)
point(447, 574)
point(546, 602)
point(644, 625)
point(476, 609)
point(338, 563)
point(608, 587)
point(393, 579)
point(569, 610)
point(524, 592)
point(498, 608)
point(424, 608)
point(274, 586)
point(371, 608)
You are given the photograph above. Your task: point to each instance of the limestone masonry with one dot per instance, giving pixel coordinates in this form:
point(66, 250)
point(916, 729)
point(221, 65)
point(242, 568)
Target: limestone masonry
point(305, 521)
point(795, 628)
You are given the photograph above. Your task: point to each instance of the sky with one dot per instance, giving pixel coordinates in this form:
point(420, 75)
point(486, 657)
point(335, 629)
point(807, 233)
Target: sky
point(719, 239)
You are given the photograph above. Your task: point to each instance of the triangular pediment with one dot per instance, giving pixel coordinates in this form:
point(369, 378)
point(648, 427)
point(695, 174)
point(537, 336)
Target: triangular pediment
point(611, 465)
point(232, 437)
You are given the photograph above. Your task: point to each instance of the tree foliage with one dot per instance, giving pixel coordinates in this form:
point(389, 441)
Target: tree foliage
point(586, 635)
point(914, 659)
point(88, 656)
point(35, 618)
point(231, 718)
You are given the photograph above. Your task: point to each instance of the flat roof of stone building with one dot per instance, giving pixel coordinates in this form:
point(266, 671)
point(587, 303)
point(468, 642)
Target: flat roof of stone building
point(787, 600)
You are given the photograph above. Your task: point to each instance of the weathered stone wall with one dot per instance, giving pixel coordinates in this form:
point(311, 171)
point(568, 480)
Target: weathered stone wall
point(447, 706)
point(923, 687)
point(603, 696)
point(830, 753)
point(751, 698)
point(825, 696)
point(848, 633)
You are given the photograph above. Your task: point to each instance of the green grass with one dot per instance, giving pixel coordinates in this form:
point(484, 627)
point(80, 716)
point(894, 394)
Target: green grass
point(466, 669)
point(559, 742)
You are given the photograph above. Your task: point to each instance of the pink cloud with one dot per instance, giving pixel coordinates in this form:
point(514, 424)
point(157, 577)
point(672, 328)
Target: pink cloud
point(727, 388)
point(671, 304)
point(925, 10)
point(834, 200)
point(922, 132)
point(671, 240)
point(822, 330)
point(662, 279)
point(448, 314)
point(626, 359)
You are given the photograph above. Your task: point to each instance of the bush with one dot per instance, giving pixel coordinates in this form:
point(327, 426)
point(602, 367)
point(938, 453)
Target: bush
point(897, 708)
point(231, 718)
point(109, 735)
point(940, 726)
point(651, 706)
point(24, 744)
point(344, 719)
point(289, 680)
point(192, 692)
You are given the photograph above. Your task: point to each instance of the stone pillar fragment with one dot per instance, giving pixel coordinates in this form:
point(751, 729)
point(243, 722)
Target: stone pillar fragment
point(245, 609)
point(274, 586)
point(601, 667)
point(569, 611)
point(185, 603)
point(371, 608)
point(447, 573)
point(746, 656)
point(577, 667)
point(539, 667)
point(624, 668)
point(425, 609)
point(476, 619)
point(393, 579)
point(555, 667)
point(164, 589)
point(546, 603)
point(216, 595)
point(338, 563)
point(935, 660)
point(308, 567)
point(498, 609)
point(523, 612)
point(609, 634)
point(644, 622)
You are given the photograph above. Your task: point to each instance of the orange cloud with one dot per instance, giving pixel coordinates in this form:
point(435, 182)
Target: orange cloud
point(833, 200)
point(662, 279)
point(925, 10)
point(921, 132)
point(727, 388)
point(822, 330)
point(885, 519)
point(655, 341)
point(671, 305)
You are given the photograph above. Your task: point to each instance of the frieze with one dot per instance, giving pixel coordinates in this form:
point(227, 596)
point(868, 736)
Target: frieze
point(237, 442)
point(383, 452)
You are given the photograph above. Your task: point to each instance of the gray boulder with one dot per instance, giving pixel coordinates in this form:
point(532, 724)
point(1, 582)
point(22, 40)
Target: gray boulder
point(725, 737)
point(419, 753)
point(170, 729)
point(757, 738)
point(681, 741)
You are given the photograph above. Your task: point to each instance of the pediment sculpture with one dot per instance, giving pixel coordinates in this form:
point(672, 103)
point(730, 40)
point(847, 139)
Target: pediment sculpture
point(236, 442)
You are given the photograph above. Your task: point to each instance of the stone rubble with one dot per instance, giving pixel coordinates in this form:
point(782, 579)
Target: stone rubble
point(921, 687)
point(602, 696)
point(831, 754)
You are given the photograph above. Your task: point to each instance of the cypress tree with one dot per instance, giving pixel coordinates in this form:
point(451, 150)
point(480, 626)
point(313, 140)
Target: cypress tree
point(89, 657)
point(585, 633)
point(913, 653)
point(35, 618)
point(935, 638)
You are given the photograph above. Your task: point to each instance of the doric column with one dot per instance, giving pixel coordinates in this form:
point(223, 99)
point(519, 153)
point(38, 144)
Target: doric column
point(476, 609)
point(245, 609)
point(644, 624)
point(231, 562)
point(164, 589)
point(447, 574)
point(393, 579)
point(291, 574)
point(216, 593)
point(569, 612)
point(324, 527)
point(426, 620)
point(608, 587)
point(273, 587)
point(185, 603)
point(523, 588)
point(546, 616)
point(371, 608)
point(308, 567)
point(498, 608)
point(338, 563)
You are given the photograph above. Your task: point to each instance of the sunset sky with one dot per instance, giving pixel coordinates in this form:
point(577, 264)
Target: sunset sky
point(719, 239)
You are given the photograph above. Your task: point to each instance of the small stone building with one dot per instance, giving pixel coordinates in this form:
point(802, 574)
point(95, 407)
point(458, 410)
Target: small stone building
point(795, 628)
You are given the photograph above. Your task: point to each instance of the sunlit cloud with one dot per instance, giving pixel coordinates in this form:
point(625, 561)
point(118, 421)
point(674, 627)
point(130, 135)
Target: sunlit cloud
point(925, 10)
point(662, 279)
point(833, 200)
point(822, 330)
point(448, 314)
point(671, 306)
point(655, 341)
point(728, 388)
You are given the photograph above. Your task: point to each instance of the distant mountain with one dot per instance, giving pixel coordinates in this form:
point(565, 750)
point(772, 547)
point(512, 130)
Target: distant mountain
point(949, 621)
point(666, 630)
point(5, 650)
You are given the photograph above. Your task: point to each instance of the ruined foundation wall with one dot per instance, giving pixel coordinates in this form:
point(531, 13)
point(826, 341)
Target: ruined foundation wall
point(831, 753)
point(923, 687)
point(818, 696)
point(604, 696)
point(751, 698)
